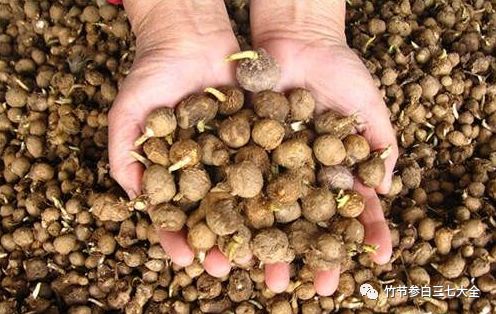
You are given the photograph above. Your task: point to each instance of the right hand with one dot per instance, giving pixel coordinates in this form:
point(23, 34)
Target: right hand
point(180, 50)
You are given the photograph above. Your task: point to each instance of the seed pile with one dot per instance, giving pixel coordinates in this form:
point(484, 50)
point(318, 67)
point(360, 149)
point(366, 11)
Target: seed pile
point(70, 243)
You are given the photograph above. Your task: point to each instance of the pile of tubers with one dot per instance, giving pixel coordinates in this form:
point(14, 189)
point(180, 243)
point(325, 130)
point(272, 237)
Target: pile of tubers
point(70, 242)
point(254, 180)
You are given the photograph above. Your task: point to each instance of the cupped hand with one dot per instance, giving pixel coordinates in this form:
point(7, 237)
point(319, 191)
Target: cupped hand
point(339, 81)
point(170, 63)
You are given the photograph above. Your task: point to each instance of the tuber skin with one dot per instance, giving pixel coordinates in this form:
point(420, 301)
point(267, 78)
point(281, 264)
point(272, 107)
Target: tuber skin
point(350, 204)
point(327, 254)
point(301, 105)
point(160, 123)
point(235, 131)
point(272, 246)
point(168, 217)
point(257, 70)
point(214, 151)
point(158, 185)
point(255, 154)
point(335, 124)
point(194, 110)
point(184, 153)
point(271, 105)
point(223, 216)
point(319, 205)
point(357, 149)
point(240, 286)
point(245, 179)
point(236, 247)
point(194, 184)
point(258, 212)
point(287, 213)
point(268, 133)
point(372, 171)
point(157, 151)
point(231, 99)
point(329, 150)
point(284, 189)
point(293, 153)
point(349, 229)
point(302, 234)
point(335, 178)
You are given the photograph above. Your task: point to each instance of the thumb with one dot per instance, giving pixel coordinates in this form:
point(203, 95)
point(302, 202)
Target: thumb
point(124, 129)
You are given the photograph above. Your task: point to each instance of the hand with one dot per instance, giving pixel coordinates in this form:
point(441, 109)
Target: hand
point(180, 50)
point(315, 56)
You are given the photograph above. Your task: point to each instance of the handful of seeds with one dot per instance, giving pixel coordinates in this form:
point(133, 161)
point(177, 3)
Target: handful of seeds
point(265, 181)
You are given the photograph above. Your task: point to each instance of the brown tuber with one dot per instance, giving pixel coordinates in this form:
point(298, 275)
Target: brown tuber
point(194, 184)
point(231, 98)
point(329, 150)
point(357, 149)
point(271, 105)
point(245, 179)
point(158, 184)
point(301, 104)
point(372, 171)
point(319, 205)
point(235, 131)
point(195, 111)
point(327, 253)
point(272, 246)
point(184, 153)
point(168, 217)
point(201, 238)
point(268, 133)
point(335, 124)
point(293, 153)
point(160, 123)
point(222, 213)
point(256, 70)
point(350, 204)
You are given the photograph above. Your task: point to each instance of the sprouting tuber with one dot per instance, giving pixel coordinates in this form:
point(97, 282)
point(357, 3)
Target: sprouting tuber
point(195, 111)
point(230, 98)
point(256, 70)
point(184, 153)
point(160, 123)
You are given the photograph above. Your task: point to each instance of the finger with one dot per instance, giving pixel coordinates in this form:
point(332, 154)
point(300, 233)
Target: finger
point(326, 282)
point(216, 264)
point(176, 246)
point(380, 135)
point(277, 277)
point(376, 228)
point(123, 131)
